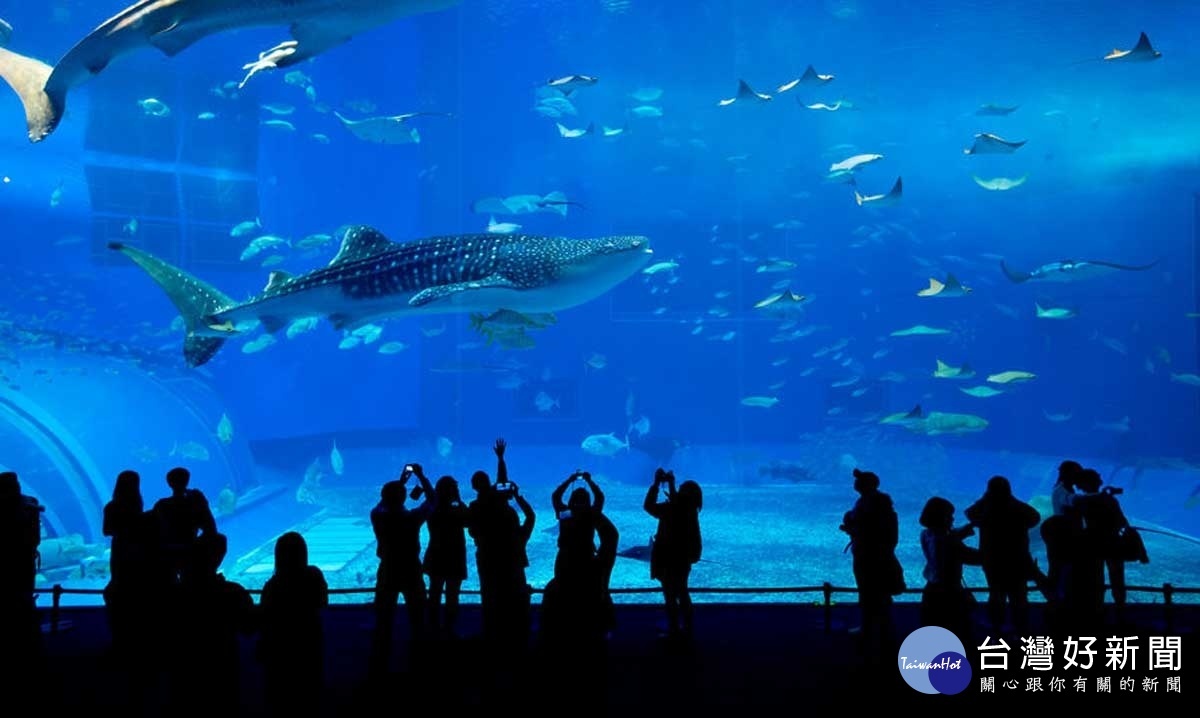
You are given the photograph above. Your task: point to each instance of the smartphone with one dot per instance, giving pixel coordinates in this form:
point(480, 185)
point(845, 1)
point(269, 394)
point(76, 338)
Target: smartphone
point(408, 468)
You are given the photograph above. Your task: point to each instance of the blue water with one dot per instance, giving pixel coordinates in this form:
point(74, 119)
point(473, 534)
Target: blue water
point(1111, 166)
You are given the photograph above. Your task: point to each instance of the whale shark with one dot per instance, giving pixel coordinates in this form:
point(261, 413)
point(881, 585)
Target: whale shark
point(373, 278)
point(1070, 270)
point(172, 26)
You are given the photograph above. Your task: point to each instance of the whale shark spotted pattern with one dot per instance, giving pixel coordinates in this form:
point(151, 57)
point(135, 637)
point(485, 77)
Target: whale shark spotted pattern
point(373, 278)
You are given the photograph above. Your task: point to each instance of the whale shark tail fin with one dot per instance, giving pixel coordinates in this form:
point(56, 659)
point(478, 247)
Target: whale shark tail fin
point(196, 300)
point(1015, 277)
point(29, 78)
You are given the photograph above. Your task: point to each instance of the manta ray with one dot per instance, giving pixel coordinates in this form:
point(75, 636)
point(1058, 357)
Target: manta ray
point(172, 26)
point(373, 278)
point(1071, 270)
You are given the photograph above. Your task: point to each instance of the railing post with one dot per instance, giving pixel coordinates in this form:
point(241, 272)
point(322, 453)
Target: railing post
point(1169, 607)
point(56, 594)
point(827, 589)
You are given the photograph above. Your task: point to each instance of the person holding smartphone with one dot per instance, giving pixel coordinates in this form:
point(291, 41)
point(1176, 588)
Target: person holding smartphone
point(398, 533)
point(676, 545)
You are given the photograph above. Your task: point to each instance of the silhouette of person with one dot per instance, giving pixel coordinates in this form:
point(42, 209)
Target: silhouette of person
point(874, 531)
point(184, 516)
point(1100, 548)
point(1061, 533)
point(210, 615)
point(576, 528)
point(292, 643)
point(398, 533)
point(501, 538)
point(446, 555)
point(945, 600)
point(1004, 523)
point(676, 546)
point(576, 604)
point(137, 580)
point(20, 536)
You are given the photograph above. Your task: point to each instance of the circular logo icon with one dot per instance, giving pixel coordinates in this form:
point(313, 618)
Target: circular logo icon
point(932, 660)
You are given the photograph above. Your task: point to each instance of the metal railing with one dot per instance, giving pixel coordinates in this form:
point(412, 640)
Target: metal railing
point(826, 590)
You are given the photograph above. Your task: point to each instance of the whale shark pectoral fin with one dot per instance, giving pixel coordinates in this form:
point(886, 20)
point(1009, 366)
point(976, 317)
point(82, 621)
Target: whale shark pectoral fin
point(447, 292)
point(198, 350)
point(316, 37)
point(177, 37)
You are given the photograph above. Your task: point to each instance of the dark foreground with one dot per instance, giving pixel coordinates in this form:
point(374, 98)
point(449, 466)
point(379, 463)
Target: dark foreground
point(751, 656)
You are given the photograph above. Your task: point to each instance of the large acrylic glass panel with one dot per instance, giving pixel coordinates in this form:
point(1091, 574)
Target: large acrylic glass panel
point(710, 364)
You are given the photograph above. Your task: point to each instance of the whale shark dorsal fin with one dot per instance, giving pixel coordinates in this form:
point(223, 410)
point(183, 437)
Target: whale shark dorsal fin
point(916, 413)
point(744, 90)
point(1143, 44)
point(952, 281)
point(898, 188)
point(277, 279)
point(809, 74)
point(360, 241)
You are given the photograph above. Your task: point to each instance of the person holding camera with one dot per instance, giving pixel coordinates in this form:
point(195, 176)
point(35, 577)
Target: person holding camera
point(576, 524)
point(1099, 549)
point(501, 537)
point(398, 534)
point(576, 606)
point(676, 545)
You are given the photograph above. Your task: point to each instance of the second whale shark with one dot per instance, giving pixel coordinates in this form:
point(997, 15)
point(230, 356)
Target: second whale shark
point(373, 278)
point(172, 26)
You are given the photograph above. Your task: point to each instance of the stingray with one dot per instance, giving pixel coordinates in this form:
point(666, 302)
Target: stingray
point(950, 288)
point(387, 130)
point(893, 196)
point(659, 448)
point(1070, 270)
point(1141, 52)
point(745, 92)
point(989, 144)
point(810, 77)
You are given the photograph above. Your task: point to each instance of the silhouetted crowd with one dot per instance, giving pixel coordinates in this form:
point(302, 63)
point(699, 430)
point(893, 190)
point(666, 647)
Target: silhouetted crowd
point(172, 613)
point(1087, 536)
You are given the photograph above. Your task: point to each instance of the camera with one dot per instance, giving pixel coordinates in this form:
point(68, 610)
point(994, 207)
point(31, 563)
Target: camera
point(505, 490)
point(408, 468)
